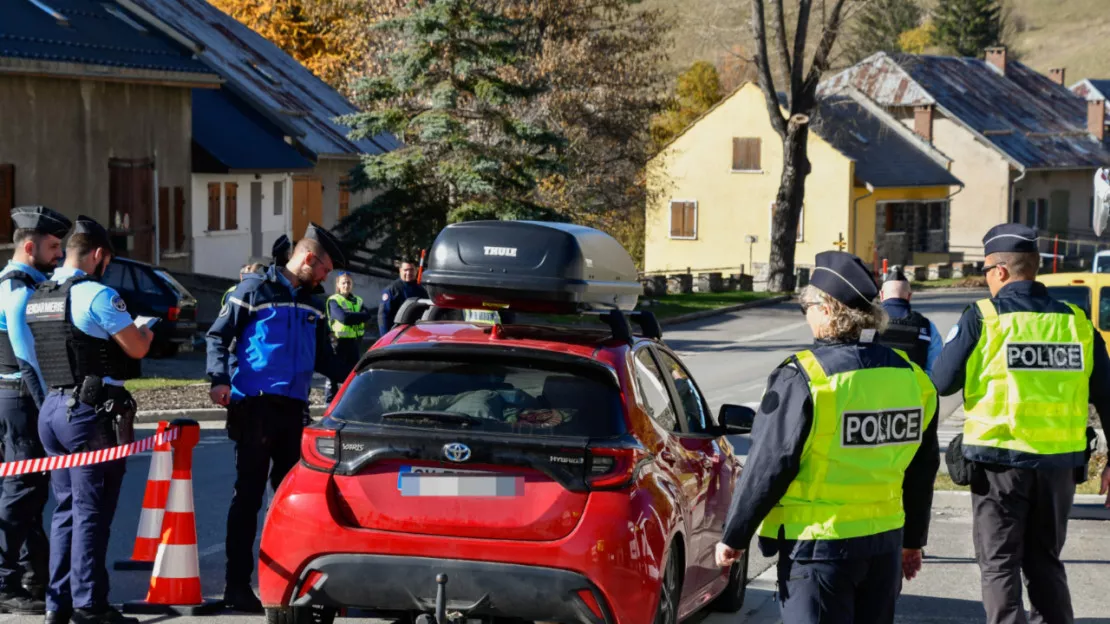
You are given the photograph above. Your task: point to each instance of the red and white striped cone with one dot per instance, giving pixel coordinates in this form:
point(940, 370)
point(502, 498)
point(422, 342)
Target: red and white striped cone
point(175, 582)
point(149, 535)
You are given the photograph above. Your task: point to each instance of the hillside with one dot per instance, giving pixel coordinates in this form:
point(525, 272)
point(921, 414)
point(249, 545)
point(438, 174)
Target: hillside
point(1047, 33)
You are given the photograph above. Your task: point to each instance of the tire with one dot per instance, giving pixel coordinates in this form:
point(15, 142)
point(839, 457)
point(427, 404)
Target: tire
point(300, 615)
point(670, 591)
point(731, 599)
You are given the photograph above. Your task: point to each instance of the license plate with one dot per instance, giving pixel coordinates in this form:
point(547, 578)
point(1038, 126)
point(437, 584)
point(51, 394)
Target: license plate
point(446, 482)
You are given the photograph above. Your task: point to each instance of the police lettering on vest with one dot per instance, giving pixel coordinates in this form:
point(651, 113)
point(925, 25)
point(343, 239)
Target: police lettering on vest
point(882, 428)
point(1045, 356)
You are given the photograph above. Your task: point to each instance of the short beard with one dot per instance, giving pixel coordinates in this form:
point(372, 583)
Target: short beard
point(305, 277)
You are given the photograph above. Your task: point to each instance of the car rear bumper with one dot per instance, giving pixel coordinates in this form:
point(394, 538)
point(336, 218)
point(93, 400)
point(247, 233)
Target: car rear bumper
point(476, 588)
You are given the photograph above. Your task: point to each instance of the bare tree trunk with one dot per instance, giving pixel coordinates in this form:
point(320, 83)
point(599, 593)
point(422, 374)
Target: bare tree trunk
point(788, 205)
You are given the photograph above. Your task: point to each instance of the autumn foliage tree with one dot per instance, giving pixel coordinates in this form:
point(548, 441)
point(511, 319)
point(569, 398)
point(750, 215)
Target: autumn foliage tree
point(698, 89)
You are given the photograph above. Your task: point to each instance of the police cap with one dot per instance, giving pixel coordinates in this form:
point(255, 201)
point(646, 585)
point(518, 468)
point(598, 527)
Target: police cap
point(1010, 238)
point(281, 248)
point(96, 233)
point(329, 242)
point(42, 220)
point(843, 277)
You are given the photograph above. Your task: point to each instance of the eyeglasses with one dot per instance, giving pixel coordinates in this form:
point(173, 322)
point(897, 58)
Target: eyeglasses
point(991, 267)
point(806, 305)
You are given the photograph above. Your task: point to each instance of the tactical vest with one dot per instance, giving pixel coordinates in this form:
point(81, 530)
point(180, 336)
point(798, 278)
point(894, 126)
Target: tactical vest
point(341, 330)
point(227, 293)
point(910, 335)
point(867, 426)
point(66, 354)
point(1026, 388)
point(8, 362)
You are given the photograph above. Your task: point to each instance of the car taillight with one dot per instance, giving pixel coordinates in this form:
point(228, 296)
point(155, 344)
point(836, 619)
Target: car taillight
point(587, 597)
point(613, 468)
point(320, 449)
point(173, 314)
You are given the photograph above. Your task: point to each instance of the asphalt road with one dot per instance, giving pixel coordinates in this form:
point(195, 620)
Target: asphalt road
point(730, 357)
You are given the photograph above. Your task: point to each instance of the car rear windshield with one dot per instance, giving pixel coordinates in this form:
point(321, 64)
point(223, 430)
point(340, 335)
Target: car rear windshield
point(486, 396)
point(175, 285)
point(1076, 295)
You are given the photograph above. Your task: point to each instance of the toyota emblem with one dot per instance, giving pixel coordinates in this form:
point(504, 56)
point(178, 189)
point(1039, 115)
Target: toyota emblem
point(456, 452)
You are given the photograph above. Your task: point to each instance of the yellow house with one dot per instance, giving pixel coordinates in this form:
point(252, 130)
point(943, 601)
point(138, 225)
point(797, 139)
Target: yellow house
point(874, 185)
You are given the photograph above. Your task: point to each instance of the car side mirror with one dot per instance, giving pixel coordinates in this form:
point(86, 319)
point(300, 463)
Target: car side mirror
point(736, 419)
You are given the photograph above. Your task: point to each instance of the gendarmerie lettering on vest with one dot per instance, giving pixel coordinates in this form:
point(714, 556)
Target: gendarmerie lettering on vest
point(882, 428)
point(1044, 356)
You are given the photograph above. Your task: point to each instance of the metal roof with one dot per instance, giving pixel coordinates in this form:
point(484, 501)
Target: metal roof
point(89, 32)
point(263, 74)
point(884, 155)
point(1035, 122)
point(234, 137)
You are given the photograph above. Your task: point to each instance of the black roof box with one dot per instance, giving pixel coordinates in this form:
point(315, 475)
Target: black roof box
point(530, 266)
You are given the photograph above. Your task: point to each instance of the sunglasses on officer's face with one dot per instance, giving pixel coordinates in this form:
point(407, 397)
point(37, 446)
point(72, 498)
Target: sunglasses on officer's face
point(991, 267)
point(806, 305)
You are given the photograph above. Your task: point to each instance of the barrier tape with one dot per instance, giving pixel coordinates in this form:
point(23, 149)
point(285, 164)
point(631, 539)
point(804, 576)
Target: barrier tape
point(88, 458)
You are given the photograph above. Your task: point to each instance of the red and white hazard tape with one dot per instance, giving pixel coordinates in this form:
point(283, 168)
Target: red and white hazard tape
point(58, 462)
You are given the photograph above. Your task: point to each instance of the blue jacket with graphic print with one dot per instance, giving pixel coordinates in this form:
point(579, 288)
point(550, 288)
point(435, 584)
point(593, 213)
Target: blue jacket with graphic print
point(280, 335)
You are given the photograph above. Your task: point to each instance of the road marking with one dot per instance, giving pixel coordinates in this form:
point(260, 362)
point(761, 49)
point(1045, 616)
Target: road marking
point(771, 332)
point(215, 549)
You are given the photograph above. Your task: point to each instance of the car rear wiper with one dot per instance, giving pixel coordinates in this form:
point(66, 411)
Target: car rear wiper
point(445, 417)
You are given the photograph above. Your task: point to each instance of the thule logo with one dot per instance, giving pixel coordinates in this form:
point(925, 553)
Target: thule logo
point(504, 252)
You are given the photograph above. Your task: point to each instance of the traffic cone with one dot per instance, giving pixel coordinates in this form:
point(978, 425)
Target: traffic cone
point(175, 582)
point(149, 534)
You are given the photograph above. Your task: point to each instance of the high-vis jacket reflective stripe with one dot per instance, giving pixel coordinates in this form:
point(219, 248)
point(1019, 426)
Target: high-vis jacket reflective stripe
point(867, 427)
point(341, 330)
point(1026, 389)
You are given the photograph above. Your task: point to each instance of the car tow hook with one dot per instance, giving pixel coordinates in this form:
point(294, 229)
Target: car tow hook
point(441, 616)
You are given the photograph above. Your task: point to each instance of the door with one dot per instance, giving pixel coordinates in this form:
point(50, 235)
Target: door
point(131, 207)
point(1058, 213)
point(308, 203)
point(704, 455)
point(256, 219)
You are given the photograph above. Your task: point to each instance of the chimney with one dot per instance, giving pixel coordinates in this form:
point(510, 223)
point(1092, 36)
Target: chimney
point(997, 56)
point(1057, 75)
point(1096, 119)
point(923, 121)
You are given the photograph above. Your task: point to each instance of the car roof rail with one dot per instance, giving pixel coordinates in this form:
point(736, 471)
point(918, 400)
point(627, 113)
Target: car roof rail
point(412, 310)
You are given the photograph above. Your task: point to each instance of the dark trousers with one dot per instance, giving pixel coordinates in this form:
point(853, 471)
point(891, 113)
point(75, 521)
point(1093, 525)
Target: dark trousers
point(347, 351)
point(1020, 519)
point(86, 503)
point(24, 548)
point(857, 591)
point(267, 434)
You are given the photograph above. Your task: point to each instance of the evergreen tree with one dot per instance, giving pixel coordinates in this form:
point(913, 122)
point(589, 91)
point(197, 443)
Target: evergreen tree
point(879, 26)
point(967, 27)
point(453, 95)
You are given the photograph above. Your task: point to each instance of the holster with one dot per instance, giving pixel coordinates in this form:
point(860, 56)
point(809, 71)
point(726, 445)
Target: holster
point(115, 410)
point(960, 469)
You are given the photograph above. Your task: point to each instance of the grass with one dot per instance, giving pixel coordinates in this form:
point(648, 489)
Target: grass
point(1090, 486)
point(669, 306)
point(154, 383)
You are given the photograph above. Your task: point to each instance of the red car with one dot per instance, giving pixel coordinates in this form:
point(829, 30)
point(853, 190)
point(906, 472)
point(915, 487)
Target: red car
point(552, 474)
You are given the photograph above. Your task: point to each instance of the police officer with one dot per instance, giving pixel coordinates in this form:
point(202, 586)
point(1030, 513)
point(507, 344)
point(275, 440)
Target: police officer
point(280, 250)
point(908, 330)
point(396, 295)
point(24, 549)
point(87, 346)
point(347, 318)
point(1028, 366)
point(843, 457)
point(280, 334)
point(255, 267)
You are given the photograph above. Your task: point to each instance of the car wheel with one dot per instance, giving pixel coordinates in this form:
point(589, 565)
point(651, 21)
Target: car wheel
point(300, 615)
point(670, 591)
point(731, 599)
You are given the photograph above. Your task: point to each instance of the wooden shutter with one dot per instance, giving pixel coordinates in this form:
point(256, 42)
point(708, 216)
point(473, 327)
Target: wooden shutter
point(7, 201)
point(213, 206)
point(231, 206)
point(344, 198)
point(689, 224)
point(678, 214)
point(746, 154)
point(164, 219)
point(178, 218)
point(684, 215)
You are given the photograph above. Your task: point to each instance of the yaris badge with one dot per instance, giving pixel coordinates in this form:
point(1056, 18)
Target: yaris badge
point(456, 452)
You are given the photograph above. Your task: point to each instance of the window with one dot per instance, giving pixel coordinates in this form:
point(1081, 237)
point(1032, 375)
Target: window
point(746, 154)
point(131, 207)
point(113, 275)
point(7, 202)
point(1103, 309)
point(279, 198)
point(344, 198)
point(1076, 295)
point(213, 206)
point(684, 219)
point(801, 223)
point(657, 400)
point(1036, 213)
point(913, 226)
point(1015, 212)
point(231, 206)
point(697, 413)
point(145, 283)
point(489, 395)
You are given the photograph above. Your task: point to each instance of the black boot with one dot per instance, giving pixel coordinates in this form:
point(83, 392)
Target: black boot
point(17, 600)
point(242, 598)
point(57, 617)
point(107, 615)
point(38, 592)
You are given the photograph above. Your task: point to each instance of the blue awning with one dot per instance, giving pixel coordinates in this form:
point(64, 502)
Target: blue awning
point(233, 137)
